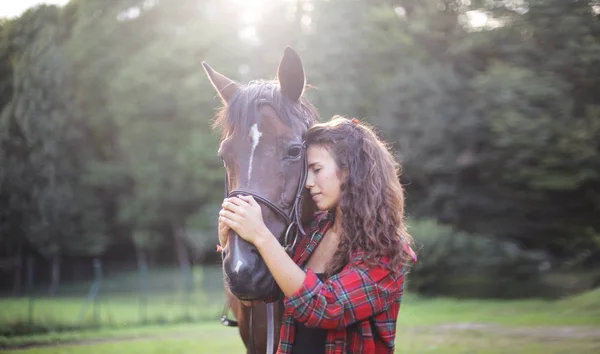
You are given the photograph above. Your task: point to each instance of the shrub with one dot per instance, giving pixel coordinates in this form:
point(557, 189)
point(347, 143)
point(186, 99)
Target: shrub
point(455, 263)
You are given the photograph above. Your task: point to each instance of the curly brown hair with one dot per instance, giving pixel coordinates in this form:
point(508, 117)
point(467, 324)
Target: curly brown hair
point(372, 200)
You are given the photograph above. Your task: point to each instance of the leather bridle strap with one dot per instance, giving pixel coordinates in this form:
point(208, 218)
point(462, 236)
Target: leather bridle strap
point(260, 199)
point(251, 329)
point(295, 215)
point(270, 328)
point(226, 321)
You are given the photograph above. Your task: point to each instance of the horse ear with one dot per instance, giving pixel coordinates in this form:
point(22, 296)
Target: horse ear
point(224, 86)
point(291, 75)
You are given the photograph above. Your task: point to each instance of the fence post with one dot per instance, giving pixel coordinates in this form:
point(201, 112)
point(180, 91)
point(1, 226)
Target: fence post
point(188, 289)
point(94, 289)
point(98, 275)
point(30, 276)
point(143, 267)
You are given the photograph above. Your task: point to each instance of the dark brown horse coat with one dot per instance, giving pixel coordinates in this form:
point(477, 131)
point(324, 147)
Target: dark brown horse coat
point(262, 124)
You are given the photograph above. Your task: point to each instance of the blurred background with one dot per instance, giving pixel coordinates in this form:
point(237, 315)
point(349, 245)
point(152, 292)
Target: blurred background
point(110, 183)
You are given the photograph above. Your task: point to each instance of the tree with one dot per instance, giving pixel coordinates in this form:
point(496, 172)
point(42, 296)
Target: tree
point(46, 144)
point(499, 133)
point(166, 144)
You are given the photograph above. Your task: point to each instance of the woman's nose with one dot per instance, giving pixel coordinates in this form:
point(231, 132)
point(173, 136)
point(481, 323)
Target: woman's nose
point(309, 182)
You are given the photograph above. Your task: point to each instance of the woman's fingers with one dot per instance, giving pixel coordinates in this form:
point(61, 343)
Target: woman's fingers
point(244, 218)
point(223, 232)
point(231, 204)
point(240, 200)
point(229, 215)
point(223, 227)
point(248, 199)
point(230, 223)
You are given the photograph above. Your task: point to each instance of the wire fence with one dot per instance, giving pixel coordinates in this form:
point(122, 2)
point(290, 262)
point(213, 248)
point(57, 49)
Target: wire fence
point(114, 297)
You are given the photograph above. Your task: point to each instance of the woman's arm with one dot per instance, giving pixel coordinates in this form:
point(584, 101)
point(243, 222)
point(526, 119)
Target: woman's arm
point(355, 294)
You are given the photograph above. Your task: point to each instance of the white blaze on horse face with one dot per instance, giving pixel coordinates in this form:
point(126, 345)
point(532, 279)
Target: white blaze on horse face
point(255, 135)
point(238, 265)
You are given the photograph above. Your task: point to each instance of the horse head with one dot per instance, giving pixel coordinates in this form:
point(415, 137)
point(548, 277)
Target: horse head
point(262, 125)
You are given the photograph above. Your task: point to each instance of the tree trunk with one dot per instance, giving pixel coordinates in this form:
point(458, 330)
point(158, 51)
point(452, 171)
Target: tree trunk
point(55, 280)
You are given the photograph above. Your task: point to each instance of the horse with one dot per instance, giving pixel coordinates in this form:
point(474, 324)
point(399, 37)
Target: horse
point(262, 126)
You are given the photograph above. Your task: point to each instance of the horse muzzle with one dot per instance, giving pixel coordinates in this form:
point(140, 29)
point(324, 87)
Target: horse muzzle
point(246, 274)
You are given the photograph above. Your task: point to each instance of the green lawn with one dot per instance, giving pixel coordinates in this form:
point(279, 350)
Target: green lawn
point(176, 324)
point(120, 310)
point(418, 311)
point(123, 311)
point(213, 338)
point(193, 338)
point(120, 303)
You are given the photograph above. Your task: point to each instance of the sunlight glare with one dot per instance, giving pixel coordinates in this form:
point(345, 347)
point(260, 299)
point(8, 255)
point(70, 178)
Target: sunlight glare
point(251, 11)
point(477, 18)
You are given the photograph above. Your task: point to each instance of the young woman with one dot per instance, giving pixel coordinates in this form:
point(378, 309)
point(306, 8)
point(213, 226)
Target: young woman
point(344, 285)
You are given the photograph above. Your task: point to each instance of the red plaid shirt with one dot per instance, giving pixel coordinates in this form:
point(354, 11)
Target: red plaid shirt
point(358, 306)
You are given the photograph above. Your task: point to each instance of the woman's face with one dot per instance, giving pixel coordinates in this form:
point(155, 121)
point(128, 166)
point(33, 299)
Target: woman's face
point(323, 180)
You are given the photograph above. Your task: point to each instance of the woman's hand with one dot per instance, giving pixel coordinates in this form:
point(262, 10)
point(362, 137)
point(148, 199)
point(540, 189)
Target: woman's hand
point(243, 215)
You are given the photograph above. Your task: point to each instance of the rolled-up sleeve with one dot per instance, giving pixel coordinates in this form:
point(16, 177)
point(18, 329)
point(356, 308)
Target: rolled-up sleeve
point(353, 295)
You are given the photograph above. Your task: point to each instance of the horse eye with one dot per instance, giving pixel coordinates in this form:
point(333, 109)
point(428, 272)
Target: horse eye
point(294, 152)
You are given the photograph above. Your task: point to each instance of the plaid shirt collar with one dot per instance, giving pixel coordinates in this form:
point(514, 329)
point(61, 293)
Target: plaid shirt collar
point(318, 227)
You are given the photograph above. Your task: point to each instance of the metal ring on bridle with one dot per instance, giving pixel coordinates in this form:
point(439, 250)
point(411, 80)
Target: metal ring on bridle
point(286, 238)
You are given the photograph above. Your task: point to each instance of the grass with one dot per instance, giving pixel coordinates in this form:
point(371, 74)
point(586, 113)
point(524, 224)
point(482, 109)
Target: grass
point(212, 338)
point(191, 338)
point(119, 304)
point(588, 303)
point(176, 324)
point(195, 330)
point(420, 311)
point(490, 342)
point(63, 313)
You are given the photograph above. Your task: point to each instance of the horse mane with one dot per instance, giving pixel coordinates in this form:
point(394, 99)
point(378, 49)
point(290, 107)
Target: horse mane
point(243, 109)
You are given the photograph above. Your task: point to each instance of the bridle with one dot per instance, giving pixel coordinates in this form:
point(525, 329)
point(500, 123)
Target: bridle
point(293, 221)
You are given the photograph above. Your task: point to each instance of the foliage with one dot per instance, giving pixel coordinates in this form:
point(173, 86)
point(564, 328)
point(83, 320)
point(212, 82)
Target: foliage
point(455, 263)
point(106, 145)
